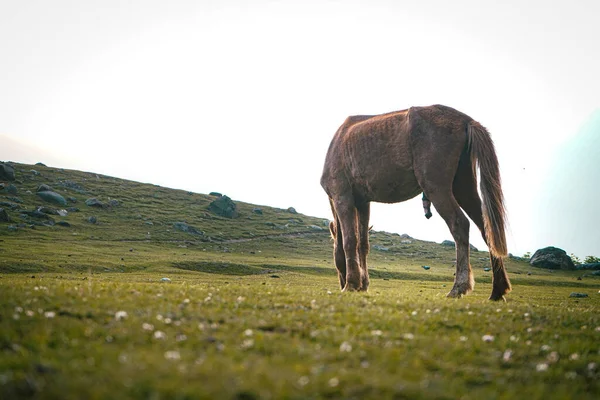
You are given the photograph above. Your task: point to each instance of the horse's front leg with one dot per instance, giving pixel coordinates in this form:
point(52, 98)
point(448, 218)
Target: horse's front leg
point(364, 211)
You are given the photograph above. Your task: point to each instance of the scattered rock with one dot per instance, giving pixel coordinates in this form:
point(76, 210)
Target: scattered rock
point(552, 258)
point(4, 215)
point(183, 227)
point(48, 210)
point(40, 164)
point(578, 295)
point(405, 236)
point(381, 248)
point(292, 210)
point(72, 185)
point(426, 267)
point(590, 266)
point(258, 211)
point(487, 269)
point(94, 202)
point(165, 280)
point(44, 188)
point(92, 219)
point(12, 228)
point(52, 197)
point(113, 203)
point(63, 223)
point(7, 172)
point(34, 172)
point(450, 243)
point(215, 194)
point(406, 241)
point(316, 228)
point(10, 205)
point(10, 189)
point(224, 206)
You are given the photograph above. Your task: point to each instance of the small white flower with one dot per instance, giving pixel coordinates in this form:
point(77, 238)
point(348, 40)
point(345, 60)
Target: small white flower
point(333, 382)
point(413, 313)
point(186, 301)
point(541, 367)
point(19, 309)
point(172, 355)
point(553, 357)
point(180, 338)
point(408, 336)
point(160, 335)
point(248, 344)
point(514, 338)
point(49, 314)
point(376, 332)
point(462, 338)
point(120, 315)
point(507, 356)
point(574, 357)
point(303, 380)
point(592, 366)
point(248, 332)
point(29, 313)
point(545, 347)
point(345, 347)
point(147, 327)
point(487, 338)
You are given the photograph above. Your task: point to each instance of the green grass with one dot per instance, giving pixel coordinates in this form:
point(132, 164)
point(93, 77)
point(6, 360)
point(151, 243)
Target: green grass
point(256, 312)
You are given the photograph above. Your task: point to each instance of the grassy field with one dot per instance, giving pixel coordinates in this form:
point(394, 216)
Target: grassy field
point(251, 308)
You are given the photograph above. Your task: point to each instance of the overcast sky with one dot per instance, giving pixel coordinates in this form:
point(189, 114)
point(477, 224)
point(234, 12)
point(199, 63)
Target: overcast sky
point(243, 97)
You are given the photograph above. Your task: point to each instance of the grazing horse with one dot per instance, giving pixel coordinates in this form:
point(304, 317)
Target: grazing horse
point(393, 157)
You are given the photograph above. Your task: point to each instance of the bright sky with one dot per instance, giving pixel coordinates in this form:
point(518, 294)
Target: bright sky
point(243, 97)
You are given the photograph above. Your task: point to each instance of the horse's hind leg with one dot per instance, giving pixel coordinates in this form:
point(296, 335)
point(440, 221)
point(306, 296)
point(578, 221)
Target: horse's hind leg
point(339, 257)
point(465, 191)
point(364, 211)
point(347, 216)
point(448, 208)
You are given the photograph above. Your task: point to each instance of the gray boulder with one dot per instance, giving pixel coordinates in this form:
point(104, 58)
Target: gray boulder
point(552, 258)
point(10, 189)
point(43, 188)
point(4, 215)
point(52, 197)
point(450, 243)
point(94, 202)
point(292, 210)
point(590, 266)
point(183, 227)
point(224, 206)
point(257, 210)
point(7, 173)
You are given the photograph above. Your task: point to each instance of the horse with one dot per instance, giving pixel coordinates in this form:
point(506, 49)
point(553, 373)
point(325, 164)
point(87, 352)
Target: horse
point(393, 157)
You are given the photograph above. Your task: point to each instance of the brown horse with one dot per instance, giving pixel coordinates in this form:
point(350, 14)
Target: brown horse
point(393, 157)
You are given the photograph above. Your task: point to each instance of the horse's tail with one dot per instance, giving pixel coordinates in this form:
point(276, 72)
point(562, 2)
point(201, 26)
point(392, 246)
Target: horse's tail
point(494, 213)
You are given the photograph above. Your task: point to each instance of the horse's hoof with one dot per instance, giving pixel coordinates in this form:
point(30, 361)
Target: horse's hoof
point(428, 215)
point(454, 294)
point(497, 297)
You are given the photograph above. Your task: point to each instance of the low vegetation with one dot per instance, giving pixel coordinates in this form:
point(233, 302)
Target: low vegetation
point(131, 307)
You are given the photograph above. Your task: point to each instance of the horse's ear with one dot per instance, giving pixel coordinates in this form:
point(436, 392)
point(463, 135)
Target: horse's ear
point(332, 229)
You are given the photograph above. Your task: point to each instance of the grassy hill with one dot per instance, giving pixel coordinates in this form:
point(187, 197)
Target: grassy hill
point(251, 308)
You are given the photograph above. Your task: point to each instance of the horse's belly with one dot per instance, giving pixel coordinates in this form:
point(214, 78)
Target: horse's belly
point(392, 186)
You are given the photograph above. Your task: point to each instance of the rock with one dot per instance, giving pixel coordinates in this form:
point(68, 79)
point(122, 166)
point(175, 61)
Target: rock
point(381, 248)
point(578, 295)
point(316, 228)
point(48, 210)
point(258, 211)
point(10, 205)
point(406, 241)
point(4, 215)
point(113, 203)
point(487, 269)
point(552, 258)
point(596, 273)
point(34, 172)
point(450, 243)
point(94, 202)
point(73, 209)
point(63, 223)
point(40, 164)
point(224, 206)
point(92, 219)
point(10, 189)
point(292, 210)
point(72, 185)
point(12, 228)
point(426, 267)
point(52, 197)
point(165, 280)
point(183, 227)
point(215, 194)
point(590, 266)
point(7, 172)
point(405, 236)
point(44, 188)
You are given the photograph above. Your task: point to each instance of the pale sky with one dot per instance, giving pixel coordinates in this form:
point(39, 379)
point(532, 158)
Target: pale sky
point(243, 97)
